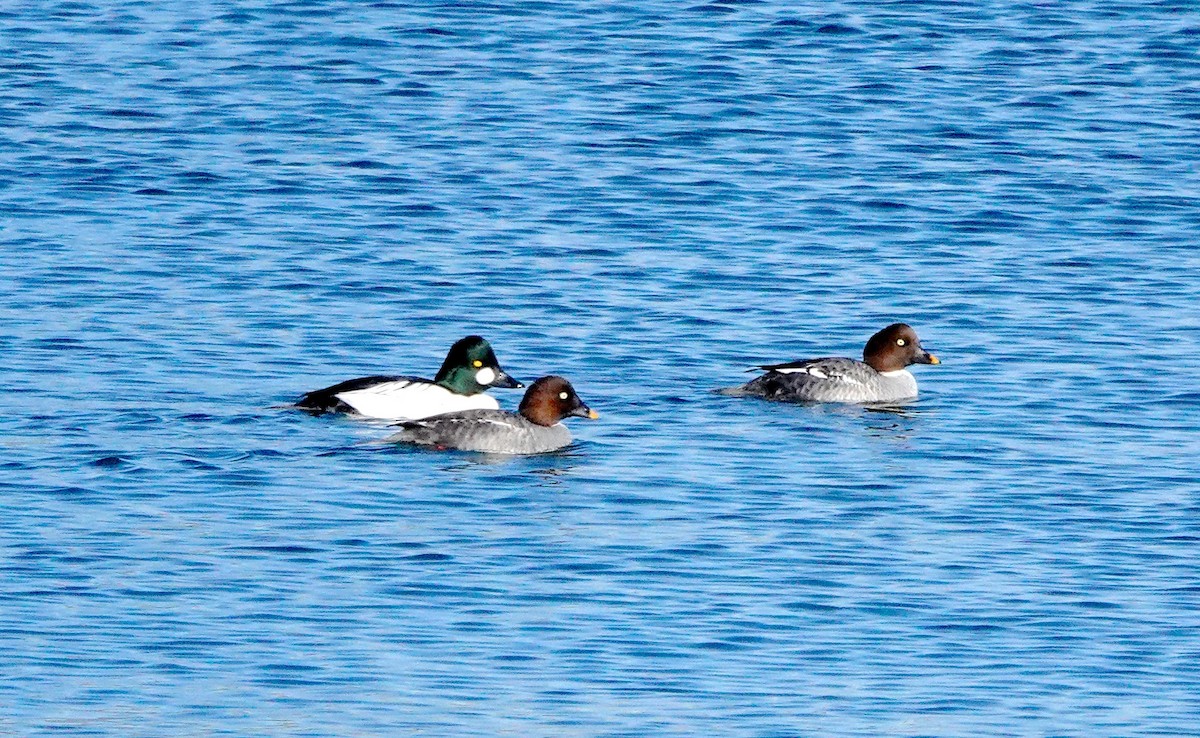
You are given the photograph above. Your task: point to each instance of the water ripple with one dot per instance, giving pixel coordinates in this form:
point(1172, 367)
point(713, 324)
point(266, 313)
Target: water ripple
point(208, 213)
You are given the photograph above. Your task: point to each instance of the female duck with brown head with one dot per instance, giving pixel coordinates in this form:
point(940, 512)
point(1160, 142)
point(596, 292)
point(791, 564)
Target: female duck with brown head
point(536, 428)
point(881, 376)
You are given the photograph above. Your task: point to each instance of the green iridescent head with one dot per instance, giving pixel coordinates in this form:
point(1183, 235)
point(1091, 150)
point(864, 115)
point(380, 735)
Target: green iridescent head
point(471, 367)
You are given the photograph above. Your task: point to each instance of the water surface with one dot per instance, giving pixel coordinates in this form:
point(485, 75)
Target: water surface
point(211, 208)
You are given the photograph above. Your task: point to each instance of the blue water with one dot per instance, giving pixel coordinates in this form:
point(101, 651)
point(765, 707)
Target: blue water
point(209, 208)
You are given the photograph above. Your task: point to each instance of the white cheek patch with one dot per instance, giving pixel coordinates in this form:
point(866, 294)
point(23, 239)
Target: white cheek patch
point(485, 376)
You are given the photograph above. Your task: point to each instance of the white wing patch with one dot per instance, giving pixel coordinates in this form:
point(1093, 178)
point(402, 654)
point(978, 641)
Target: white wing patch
point(494, 421)
point(811, 370)
point(819, 371)
point(388, 388)
point(406, 400)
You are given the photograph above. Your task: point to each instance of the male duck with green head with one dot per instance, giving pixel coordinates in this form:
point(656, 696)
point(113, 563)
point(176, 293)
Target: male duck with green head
point(469, 369)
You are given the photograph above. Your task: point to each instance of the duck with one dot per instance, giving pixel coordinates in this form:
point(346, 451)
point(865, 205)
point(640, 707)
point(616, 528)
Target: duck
point(535, 428)
point(881, 377)
point(469, 370)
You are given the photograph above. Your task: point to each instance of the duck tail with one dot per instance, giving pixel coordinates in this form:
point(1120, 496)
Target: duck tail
point(739, 391)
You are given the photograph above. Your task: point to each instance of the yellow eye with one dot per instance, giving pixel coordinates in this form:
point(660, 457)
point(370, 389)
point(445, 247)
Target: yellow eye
point(477, 363)
point(900, 341)
point(563, 395)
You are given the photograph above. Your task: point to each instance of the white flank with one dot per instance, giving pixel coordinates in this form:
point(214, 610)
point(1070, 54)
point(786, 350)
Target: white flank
point(405, 400)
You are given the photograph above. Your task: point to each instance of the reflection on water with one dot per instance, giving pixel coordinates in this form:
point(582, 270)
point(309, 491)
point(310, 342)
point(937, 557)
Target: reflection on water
point(552, 463)
point(895, 422)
